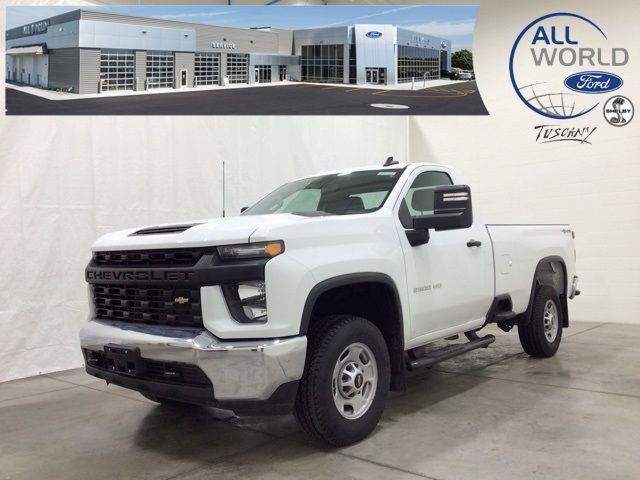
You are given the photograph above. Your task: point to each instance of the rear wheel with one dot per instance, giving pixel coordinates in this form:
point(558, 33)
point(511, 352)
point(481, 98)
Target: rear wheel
point(541, 337)
point(343, 390)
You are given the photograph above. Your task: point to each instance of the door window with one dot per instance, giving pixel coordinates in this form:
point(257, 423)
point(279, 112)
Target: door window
point(419, 199)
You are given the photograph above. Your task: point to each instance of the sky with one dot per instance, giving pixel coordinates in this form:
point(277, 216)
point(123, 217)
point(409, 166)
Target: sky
point(452, 22)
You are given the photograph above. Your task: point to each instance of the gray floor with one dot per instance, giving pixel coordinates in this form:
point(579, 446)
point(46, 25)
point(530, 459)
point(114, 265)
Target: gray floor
point(494, 413)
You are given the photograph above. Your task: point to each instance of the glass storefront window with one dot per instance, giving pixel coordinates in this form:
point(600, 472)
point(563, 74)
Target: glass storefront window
point(417, 63)
point(322, 63)
point(352, 64)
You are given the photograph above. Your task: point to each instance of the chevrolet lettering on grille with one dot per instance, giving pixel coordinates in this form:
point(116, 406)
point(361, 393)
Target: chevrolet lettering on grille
point(142, 275)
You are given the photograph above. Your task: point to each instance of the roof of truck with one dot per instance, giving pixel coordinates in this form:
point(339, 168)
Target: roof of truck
point(378, 167)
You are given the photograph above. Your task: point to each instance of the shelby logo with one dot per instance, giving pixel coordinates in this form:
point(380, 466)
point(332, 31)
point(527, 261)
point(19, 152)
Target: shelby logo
point(618, 111)
point(544, 60)
point(137, 275)
point(557, 133)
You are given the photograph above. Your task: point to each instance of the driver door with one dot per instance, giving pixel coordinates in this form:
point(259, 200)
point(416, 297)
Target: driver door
point(450, 284)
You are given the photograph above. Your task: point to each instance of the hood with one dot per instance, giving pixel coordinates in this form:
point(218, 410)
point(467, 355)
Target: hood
point(197, 233)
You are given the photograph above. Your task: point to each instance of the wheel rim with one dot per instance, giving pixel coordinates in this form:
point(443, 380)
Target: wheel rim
point(550, 320)
point(354, 382)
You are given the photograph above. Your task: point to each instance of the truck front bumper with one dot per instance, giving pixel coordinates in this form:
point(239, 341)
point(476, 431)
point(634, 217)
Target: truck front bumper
point(192, 365)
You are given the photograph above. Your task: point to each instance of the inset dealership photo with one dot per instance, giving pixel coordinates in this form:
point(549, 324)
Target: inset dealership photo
point(215, 60)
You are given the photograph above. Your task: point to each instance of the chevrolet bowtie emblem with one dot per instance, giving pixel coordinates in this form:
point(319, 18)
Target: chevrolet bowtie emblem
point(181, 300)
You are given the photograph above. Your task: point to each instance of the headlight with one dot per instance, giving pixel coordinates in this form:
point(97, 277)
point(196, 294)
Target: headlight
point(247, 301)
point(251, 250)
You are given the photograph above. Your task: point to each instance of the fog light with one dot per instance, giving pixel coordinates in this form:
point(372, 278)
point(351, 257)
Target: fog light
point(247, 301)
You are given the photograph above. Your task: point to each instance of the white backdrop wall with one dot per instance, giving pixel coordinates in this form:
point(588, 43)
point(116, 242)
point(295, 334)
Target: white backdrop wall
point(594, 191)
point(65, 181)
point(594, 187)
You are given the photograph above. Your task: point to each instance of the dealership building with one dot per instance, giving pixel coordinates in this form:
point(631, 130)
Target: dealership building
point(85, 51)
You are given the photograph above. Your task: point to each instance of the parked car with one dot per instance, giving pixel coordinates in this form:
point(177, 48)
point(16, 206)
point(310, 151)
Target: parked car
point(466, 75)
point(321, 296)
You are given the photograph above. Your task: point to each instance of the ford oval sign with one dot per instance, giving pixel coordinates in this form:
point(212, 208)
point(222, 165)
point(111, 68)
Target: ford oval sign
point(593, 82)
point(373, 34)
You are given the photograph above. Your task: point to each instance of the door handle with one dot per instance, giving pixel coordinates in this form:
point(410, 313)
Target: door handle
point(474, 243)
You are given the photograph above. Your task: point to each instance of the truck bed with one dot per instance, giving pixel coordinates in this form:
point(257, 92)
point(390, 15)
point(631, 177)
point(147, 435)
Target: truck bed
point(517, 250)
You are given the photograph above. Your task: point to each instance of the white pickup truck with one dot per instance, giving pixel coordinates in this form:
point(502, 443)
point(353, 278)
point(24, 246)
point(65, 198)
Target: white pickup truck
point(321, 296)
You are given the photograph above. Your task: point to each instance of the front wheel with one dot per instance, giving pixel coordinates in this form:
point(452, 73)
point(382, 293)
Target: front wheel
point(343, 390)
point(541, 337)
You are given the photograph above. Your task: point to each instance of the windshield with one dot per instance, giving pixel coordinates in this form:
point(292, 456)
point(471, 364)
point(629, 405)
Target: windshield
point(337, 194)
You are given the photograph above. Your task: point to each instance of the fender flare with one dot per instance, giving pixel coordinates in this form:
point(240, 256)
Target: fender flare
point(563, 296)
point(395, 344)
point(341, 281)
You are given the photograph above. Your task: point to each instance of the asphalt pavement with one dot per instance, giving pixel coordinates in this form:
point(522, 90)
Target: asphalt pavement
point(298, 99)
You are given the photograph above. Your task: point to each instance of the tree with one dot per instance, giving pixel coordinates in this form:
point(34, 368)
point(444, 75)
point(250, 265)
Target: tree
point(462, 59)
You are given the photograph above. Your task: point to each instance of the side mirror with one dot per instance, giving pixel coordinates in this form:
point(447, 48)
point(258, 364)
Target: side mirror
point(243, 209)
point(451, 209)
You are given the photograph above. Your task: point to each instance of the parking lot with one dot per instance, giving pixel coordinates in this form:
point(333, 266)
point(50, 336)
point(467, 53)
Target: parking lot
point(298, 99)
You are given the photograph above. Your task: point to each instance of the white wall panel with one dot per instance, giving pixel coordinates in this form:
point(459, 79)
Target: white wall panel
point(66, 180)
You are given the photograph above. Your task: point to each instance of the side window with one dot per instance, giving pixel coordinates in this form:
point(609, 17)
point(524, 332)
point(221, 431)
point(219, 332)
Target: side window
point(419, 199)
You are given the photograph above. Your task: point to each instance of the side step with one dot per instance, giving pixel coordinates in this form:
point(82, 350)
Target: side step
point(504, 316)
point(450, 351)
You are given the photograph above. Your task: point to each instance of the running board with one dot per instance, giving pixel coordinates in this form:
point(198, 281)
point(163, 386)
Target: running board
point(504, 316)
point(448, 352)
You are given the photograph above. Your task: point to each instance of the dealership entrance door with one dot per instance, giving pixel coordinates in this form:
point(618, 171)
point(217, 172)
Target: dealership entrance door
point(184, 78)
point(262, 74)
point(376, 76)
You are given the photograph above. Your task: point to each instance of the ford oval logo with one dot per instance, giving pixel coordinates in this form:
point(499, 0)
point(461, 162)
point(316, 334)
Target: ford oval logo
point(593, 82)
point(373, 34)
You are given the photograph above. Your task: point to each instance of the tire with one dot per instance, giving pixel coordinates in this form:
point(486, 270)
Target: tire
point(537, 338)
point(340, 348)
